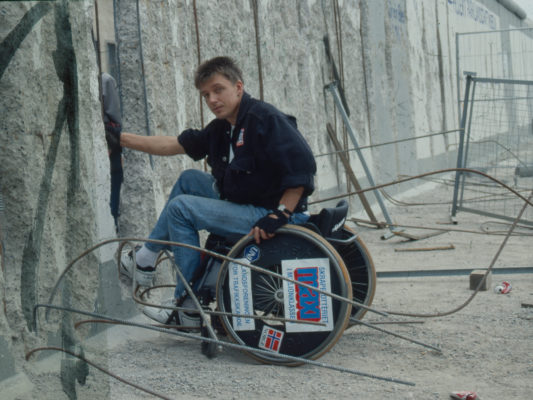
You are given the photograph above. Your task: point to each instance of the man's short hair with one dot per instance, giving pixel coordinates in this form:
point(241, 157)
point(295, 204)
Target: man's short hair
point(222, 65)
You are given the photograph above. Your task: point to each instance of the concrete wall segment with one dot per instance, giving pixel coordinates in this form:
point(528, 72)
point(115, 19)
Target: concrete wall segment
point(381, 88)
point(138, 193)
point(50, 175)
point(430, 110)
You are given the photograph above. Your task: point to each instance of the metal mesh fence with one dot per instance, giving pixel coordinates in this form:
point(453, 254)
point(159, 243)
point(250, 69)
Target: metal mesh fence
point(498, 140)
point(498, 54)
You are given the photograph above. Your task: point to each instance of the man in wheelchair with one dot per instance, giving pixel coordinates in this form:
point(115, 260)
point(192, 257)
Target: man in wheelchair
point(262, 172)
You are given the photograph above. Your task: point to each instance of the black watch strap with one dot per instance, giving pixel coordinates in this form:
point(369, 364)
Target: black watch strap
point(284, 209)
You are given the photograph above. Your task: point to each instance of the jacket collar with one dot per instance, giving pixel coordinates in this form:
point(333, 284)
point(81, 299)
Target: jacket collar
point(244, 106)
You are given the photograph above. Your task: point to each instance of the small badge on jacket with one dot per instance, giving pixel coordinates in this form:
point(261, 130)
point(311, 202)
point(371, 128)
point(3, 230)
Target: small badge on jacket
point(240, 140)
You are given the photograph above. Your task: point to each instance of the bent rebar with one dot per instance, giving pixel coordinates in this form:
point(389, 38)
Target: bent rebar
point(482, 281)
point(139, 300)
point(226, 344)
point(410, 178)
point(193, 297)
point(372, 326)
point(105, 371)
point(213, 254)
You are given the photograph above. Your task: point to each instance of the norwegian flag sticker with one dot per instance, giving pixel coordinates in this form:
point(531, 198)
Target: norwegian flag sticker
point(271, 339)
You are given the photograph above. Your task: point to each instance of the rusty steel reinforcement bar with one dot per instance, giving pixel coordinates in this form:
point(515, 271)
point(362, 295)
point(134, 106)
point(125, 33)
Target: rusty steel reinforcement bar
point(336, 76)
point(527, 201)
point(351, 175)
point(357, 321)
point(410, 178)
point(101, 369)
point(198, 57)
point(139, 300)
point(225, 344)
point(370, 146)
point(197, 305)
point(258, 49)
point(213, 254)
point(253, 268)
point(482, 281)
point(333, 89)
point(54, 290)
point(449, 272)
point(433, 248)
point(378, 225)
point(198, 308)
point(143, 80)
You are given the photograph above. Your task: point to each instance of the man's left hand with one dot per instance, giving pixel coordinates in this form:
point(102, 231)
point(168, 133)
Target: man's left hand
point(265, 227)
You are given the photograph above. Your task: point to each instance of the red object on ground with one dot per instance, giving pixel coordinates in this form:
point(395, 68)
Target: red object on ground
point(503, 288)
point(464, 395)
point(506, 287)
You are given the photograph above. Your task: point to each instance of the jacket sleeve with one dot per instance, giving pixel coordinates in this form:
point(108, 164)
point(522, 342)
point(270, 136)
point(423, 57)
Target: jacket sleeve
point(195, 142)
point(290, 154)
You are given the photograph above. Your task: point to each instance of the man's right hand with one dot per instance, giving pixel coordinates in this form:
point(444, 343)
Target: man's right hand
point(265, 227)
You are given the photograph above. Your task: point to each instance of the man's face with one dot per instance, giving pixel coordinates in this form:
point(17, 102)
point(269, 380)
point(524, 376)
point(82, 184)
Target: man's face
point(222, 97)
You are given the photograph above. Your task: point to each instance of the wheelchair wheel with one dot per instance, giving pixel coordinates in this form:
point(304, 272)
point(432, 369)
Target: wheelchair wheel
point(361, 268)
point(302, 255)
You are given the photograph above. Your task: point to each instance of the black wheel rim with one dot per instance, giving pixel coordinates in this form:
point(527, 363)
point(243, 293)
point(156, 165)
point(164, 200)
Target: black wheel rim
point(361, 270)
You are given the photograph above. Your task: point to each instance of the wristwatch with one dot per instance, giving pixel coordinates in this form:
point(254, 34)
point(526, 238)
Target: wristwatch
point(284, 209)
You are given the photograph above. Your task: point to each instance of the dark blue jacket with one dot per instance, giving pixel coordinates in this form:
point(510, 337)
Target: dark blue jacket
point(270, 155)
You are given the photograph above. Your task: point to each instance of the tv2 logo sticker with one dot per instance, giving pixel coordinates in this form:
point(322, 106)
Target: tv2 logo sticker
point(304, 304)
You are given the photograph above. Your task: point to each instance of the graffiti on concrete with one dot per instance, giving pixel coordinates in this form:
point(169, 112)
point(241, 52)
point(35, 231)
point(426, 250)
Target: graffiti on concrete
point(398, 20)
point(475, 11)
point(12, 42)
point(67, 116)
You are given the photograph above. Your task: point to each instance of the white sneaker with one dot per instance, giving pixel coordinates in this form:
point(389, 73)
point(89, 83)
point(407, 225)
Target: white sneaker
point(144, 276)
point(173, 317)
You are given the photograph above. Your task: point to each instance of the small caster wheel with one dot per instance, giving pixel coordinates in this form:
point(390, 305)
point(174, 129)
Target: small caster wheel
point(209, 349)
point(216, 323)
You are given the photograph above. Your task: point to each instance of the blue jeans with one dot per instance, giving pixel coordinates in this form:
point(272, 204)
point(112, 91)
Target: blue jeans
point(194, 204)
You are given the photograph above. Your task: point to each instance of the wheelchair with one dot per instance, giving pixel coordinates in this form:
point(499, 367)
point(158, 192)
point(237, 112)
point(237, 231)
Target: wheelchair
point(289, 318)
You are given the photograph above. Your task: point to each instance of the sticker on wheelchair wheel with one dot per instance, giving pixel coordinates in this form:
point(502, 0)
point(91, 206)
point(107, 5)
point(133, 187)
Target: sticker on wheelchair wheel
point(240, 284)
point(252, 253)
point(270, 339)
point(304, 304)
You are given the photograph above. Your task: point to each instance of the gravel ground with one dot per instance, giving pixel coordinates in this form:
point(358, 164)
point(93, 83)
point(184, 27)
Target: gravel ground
point(487, 346)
